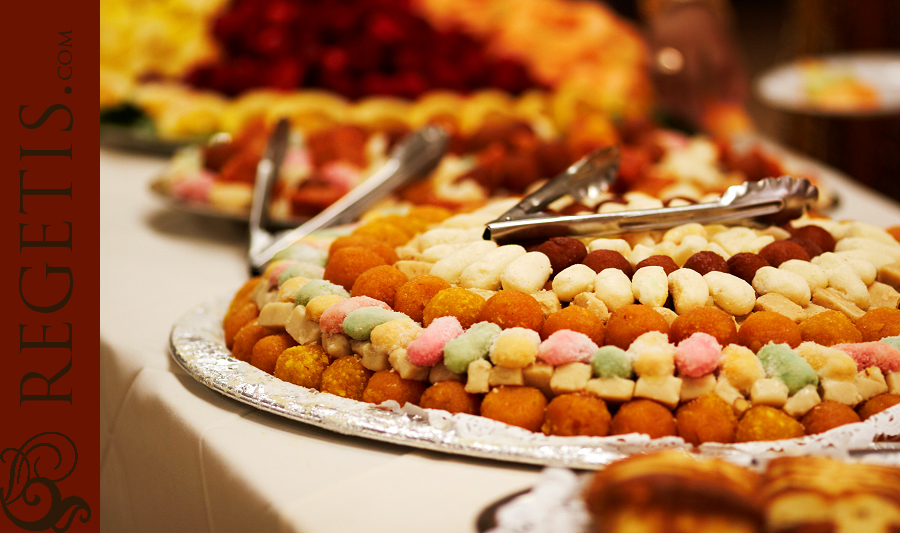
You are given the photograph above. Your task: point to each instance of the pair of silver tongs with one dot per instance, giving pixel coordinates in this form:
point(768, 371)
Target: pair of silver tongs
point(413, 157)
point(771, 201)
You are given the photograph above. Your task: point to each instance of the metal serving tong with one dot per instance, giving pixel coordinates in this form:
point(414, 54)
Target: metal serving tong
point(768, 201)
point(413, 157)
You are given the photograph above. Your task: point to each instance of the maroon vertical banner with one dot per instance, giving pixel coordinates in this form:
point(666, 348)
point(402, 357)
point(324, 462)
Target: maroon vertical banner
point(49, 267)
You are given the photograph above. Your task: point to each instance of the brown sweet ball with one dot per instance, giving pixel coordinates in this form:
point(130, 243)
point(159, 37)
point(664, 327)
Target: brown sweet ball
point(570, 415)
point(600, 260)
point(630, 322)
point(380, 283)
point(345, 377)
point(384, 230)
point(643, 416)
point(707, 261)
point(827, 415)
point(829, 328)
point(412, 297)
point(575, 318)
point(510, 309)
point(451, 396)
point(379, 247)
point(246, 338)
point(267, 349)
point(745, 264)
point(762, 422)
point(667, 263)
point(877, 404)
point(348, 263)
point(812, 249)
point(236, 319)
point(302, 365)
point(708, 320)
point(563, 252)
point(763, 327)
point(465, 305)
point(879, 323)
point(780, 251)
point(388, 385)
point(708, 418)
point(517, 406)
point(814, 234)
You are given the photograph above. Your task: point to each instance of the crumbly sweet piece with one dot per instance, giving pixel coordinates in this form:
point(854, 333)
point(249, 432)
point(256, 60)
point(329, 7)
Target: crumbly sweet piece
point(380, 283)
point(517, 406)
point(740, 367)
point(706, 419)
point(454, 301)
point(302, 365)
point(566, 346)
point(427, 348)
point(346, 264)
point(763, 327)
point(764, 423)
point(878, 323)
point(709, 320)
point(332, 319)
point(246, 338)
point(266, 351)
point(345, 377)
point(783, 363)
point(359, 323)
point(388, 385)
point(450, 396)
point(866, 354)
point(473, 344)
point(381, 248)
point(829, 328)
point(630, 322)
point(643, 416)
point(828, 415)
point(509, 309)
point(236, 318)
point(575, 318)
point(515, 348)
point(412, 297)
point(576, 414)
point(697, 355)
point(877, 404)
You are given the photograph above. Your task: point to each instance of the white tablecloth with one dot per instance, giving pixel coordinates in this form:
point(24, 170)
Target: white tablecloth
point(177, 456)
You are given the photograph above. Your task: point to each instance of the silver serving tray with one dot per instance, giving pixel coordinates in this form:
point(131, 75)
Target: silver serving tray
point(197, 345)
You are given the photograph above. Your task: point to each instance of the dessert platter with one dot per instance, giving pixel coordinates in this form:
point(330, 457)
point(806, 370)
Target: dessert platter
point(581, 337)
point(859, 84)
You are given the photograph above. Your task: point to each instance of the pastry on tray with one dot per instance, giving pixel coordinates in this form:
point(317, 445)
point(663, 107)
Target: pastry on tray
point(676, 492)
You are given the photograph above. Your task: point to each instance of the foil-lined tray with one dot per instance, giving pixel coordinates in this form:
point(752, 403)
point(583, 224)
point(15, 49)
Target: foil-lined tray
point(197, 345)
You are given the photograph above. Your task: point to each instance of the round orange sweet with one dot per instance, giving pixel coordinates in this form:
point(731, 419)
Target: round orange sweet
point(347, 264)
point(412, 297)
point(379, 247)
point(236, 319)
point(510, 309)
point(302, 365)
point(827, 415)
point(708, 418)
point(576, 414)
point(643, 416)
point(454, 301)
point(829, 328)
point(266, 351)
point(879, 323)
point(451, 396)
point(877, 404)
point(577, 319)
point(631, 321)
point(763, 327)
point(345, 377)
point(384, 230)
point(707, 320)
point(388, 385)
point(380, 283)
point(764, 423)
point(517, 406)
point(246, 338)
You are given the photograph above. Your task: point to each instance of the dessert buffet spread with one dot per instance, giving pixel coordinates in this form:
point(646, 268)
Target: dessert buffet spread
point(189, 69)
point(677, 492)
point(709, 333)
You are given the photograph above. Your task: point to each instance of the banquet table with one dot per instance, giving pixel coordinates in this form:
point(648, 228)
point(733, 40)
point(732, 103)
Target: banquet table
point(178, 456)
